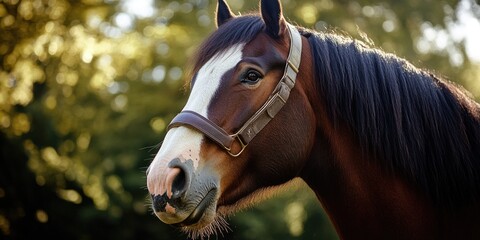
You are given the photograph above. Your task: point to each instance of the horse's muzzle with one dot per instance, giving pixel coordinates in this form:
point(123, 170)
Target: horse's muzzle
point(177, 181)
point(180, 196)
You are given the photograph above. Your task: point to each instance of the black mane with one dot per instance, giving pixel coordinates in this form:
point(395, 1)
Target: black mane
point(414, 123)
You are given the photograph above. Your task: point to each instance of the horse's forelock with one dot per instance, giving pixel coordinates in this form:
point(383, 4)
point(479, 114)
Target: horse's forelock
point(237, 30)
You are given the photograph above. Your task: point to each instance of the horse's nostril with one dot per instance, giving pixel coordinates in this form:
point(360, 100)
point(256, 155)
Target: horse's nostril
point(176, 182)
point(179, 184)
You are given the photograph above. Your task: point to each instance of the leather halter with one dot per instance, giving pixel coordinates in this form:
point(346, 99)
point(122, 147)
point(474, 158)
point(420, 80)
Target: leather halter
point(259, 120)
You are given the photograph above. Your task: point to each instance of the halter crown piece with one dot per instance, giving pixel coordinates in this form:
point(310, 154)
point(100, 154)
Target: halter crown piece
point(261, 117)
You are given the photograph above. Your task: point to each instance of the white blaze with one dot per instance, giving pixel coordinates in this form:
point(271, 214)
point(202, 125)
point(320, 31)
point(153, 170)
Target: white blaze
point(184, 142)
point(208, 79)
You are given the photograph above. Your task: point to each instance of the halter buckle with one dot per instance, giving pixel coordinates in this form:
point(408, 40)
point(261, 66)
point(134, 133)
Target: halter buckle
point(242, 145)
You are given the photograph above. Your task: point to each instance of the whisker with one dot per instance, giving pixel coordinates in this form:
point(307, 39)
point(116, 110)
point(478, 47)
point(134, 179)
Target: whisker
point(218, 227)
point(153, 147)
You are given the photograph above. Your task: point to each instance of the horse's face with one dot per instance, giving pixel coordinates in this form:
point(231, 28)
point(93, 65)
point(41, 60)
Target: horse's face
point(192, 180)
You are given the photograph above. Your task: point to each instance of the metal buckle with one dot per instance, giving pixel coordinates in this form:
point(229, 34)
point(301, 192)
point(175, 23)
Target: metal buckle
point(242, 144)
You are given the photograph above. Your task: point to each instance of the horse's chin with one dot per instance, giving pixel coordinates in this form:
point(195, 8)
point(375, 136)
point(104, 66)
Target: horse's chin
point(211, 223)
point(202, 221)
point(208, 218)
point(203, 213)
point(200, 225)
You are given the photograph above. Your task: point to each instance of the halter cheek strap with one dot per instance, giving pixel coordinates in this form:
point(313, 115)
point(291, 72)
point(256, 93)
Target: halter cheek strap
point(261, 117)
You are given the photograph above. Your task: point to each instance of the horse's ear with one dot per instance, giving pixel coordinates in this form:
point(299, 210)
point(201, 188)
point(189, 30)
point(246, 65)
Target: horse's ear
point(273, 17)
point(223, 12)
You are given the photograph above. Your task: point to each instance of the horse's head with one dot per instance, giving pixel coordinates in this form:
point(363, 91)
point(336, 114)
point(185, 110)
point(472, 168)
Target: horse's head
point(219, 154)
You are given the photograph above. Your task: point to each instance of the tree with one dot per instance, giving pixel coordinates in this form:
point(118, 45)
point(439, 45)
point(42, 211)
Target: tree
point(88, 87)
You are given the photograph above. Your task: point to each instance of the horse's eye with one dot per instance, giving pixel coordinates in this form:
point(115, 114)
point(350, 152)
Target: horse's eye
point(251, 77)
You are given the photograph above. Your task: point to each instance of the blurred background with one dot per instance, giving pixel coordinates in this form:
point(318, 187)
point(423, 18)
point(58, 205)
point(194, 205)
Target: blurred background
point(87, 88)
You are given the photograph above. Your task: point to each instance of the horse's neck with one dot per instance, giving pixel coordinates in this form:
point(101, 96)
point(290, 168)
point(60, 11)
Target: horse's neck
point(362, 200)
point(366, 202)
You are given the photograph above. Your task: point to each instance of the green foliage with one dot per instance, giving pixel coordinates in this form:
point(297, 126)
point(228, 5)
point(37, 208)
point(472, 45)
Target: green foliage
point(88, 87)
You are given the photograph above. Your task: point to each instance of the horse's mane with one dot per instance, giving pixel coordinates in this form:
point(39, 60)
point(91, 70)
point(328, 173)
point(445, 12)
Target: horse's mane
point(412, 122)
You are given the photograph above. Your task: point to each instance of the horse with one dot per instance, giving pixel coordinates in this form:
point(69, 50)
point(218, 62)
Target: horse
point(390, 150)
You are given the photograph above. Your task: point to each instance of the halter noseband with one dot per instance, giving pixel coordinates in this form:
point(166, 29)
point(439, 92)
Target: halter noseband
point(259, 120)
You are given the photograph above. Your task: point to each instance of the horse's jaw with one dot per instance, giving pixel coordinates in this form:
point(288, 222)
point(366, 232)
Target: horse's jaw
point(213, 220)
point(258, 196)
